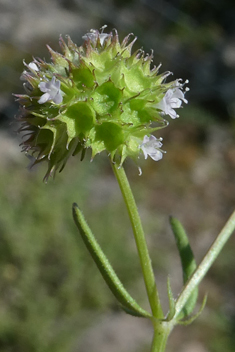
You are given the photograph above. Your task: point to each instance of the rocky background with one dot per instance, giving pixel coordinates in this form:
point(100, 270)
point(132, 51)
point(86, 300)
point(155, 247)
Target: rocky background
point(52, 299)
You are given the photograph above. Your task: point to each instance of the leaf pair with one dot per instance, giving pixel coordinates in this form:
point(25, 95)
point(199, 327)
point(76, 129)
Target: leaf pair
point(125, 299)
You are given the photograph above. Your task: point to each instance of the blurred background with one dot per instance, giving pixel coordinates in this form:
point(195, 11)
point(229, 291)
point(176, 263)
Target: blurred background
point(52, 297)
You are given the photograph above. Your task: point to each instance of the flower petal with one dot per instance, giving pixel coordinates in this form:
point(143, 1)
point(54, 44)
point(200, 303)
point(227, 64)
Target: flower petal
point(44, 98)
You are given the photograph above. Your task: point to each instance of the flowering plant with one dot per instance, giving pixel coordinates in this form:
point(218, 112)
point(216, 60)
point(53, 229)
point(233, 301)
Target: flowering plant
point(103, 97)
point(98, 96)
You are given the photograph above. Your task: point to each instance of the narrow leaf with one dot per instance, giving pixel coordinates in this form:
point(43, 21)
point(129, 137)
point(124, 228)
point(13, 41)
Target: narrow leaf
point(187, 261)
point(171, 301)
point(195, 316)
point(105, 268)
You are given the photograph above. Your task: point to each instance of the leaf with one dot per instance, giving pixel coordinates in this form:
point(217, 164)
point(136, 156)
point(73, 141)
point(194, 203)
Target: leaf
point(188, 263)
point(171, 301)
point(195, 316)
point(105, 268)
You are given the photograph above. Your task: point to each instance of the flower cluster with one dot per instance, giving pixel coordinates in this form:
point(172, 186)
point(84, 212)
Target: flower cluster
point(98, 95)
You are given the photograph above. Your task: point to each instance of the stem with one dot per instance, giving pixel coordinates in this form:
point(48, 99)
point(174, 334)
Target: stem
point(161, 333)
point(206, 263)
point(140, 240)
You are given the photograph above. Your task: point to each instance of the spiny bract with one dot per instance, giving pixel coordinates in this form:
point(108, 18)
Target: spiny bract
point(99, 96)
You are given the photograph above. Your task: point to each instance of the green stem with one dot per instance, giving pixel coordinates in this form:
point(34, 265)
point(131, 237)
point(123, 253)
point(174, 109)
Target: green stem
point(161, 333)
point(205, 264)
point(140, 240)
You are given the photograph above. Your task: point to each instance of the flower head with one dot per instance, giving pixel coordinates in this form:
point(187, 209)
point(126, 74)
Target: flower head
point(98, 95)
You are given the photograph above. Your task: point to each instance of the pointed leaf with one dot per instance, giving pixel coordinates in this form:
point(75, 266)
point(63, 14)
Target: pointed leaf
point(195, 316)
point(187, 261)
point(171, 301)
point(105, 268)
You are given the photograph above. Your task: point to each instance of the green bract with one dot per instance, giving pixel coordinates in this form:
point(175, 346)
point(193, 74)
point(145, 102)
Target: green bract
point(99, 96)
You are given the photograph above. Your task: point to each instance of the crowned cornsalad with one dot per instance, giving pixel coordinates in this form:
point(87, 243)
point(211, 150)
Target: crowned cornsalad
point(102, 96)
point(98, 95)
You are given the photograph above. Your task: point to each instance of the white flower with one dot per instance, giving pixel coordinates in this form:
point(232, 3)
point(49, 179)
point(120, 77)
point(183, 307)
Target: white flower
point(150, 147)
point(94, 34)
point(103, 37)
point(52, 91)
point(31, 66)
point(172, 100)
point(25, 74)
